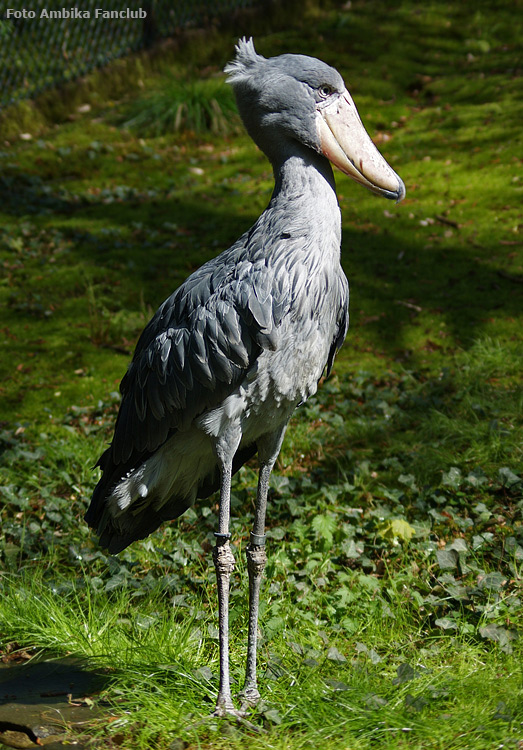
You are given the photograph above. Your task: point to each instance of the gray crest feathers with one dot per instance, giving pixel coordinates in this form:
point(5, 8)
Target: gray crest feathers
point(246, 59)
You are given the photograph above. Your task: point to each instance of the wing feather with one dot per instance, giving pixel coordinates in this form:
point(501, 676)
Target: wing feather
point(342, 321)
point(195, 352)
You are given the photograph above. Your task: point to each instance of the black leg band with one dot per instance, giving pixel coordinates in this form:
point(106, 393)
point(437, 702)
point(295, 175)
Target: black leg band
point(221, 536)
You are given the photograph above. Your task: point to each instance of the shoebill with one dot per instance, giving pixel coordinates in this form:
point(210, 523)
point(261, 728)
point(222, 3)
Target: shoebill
point(227, 358)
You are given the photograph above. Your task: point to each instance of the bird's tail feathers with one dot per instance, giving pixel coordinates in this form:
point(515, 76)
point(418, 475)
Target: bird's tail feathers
point(115, 534)
point(117, 526)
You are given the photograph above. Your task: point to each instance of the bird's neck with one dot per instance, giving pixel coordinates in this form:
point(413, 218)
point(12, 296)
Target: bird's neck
point(304, 197)
point(301, 169)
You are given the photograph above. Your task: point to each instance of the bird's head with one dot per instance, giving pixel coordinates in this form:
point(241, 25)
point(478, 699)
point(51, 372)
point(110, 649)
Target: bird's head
point(293, 98)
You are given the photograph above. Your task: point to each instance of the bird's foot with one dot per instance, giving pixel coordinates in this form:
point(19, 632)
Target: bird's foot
point(224, 706)
point(220, 712)
point(250, 697)
point(225, 710)
point(238, 715)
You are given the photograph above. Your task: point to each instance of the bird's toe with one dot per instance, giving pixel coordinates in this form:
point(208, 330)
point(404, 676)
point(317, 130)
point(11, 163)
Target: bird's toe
point(238, 714)
point(249, 698)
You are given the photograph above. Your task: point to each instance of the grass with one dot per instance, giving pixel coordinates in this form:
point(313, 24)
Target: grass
point(198, 106)
point(392, 606)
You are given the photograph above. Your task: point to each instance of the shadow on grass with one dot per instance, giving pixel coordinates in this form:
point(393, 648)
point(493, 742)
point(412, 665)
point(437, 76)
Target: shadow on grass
point(155, 243)
point(23, 194)
point(44, 697)
point(449, 283)
point(411, 293)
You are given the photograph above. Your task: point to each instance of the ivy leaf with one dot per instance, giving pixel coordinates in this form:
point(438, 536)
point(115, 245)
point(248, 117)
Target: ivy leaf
point(408, 480)
point(501, 635)
point(273, 626)
point(273, 716)
point(508, 478)
point(452, 477)
point(405, 673)
point(351, 551)
point(309, 662)
point(144, 622)
point(330, 493)
point(514, 548)
point(213, 632)
point(476, 478)
point(334, 655)
point(502, 712)
point(203, 674)
point(372, 700)
point(445, 623)
point(276, 533)
point(336, 685)
point(373, 655)
point(416, 702)
point(459, 545)
point(397, 528)
point(274, 669)
point(280, 484)
point(115, 582)
point(447, 558)
point(492, 581)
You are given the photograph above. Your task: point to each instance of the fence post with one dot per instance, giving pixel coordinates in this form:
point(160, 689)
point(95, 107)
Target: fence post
point(150, 26)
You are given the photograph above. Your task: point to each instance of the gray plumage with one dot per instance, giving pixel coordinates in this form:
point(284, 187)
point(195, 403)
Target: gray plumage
point(226, 359)
point(262, 305)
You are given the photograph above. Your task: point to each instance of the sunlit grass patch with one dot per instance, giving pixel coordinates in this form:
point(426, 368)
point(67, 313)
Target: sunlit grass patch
point(390, 677)
point(191, 105)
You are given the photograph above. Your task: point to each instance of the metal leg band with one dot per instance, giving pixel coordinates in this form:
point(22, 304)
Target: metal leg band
point(258, 539)
point(220, 536)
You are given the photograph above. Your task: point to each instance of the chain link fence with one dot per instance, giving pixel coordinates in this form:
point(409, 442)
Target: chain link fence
point(43, 43)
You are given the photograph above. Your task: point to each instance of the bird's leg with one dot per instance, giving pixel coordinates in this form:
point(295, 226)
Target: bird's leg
point(268, 450)
point(224, 565)
point(224, 562)
point(256, 560)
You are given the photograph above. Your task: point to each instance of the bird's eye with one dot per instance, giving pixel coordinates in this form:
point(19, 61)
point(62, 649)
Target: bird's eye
point(325, 91)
